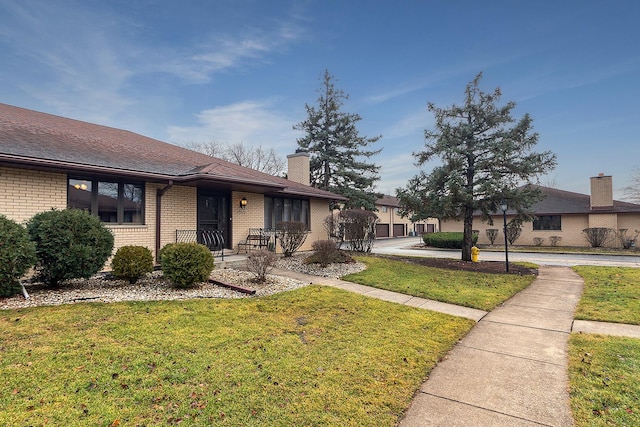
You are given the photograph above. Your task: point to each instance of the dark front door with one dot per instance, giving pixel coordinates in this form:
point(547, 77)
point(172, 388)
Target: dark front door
point(213, 214)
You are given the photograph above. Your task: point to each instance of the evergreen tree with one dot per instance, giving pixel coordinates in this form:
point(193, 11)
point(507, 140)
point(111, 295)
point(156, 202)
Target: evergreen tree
point(338, 154)
point(486, 158)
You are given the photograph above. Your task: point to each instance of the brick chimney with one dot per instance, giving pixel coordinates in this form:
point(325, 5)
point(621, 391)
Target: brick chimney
point(298, 167)
point(601, 191)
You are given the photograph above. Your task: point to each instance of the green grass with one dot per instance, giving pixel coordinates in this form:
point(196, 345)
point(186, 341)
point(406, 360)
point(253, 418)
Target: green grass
point(477, 290)
point(611, 294)
point(315, 356)
point(604, 377)
point(563, 249)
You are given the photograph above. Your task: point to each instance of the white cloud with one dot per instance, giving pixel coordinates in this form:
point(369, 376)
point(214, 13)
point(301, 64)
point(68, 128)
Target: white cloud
point(252, 123)
point(83, 61)
point(218, 52)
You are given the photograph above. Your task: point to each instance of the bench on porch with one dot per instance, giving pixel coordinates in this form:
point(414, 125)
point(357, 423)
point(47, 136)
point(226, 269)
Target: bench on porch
point(257, 238)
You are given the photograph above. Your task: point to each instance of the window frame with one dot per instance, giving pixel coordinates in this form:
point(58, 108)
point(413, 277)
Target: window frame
point(547, 223)
point(275, 210)
point(94, 206)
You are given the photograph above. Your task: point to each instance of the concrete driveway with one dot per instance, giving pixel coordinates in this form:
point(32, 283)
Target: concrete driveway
point(403, 246)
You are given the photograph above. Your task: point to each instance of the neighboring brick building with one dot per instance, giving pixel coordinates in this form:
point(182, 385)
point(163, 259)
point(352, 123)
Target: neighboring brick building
point(565, 214)
point(391, 224)
point(144, 190)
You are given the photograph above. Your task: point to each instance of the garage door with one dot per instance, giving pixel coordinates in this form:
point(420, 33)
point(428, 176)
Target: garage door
point(398, 230)
point(382, 230)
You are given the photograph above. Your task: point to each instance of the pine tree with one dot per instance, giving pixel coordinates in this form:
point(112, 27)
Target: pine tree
point(485, 159)
point(338, 153)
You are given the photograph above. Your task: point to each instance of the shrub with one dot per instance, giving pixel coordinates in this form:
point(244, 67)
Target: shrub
point(514, 229)
point(538, 241)
point(70, 244)
point(597, 236)
point(554, 240)
point(334, 229)
point(260, 263)
point(492, 234)
point(17, 255)
point(447, 239)
point(626, 240)
point(132, 262)
point(186, 264)
point(326, 252)
point(359, 227)
point(291, 235)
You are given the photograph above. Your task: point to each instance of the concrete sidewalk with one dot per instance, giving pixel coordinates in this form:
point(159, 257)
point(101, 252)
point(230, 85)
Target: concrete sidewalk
point(511, 369)
point(455, 310)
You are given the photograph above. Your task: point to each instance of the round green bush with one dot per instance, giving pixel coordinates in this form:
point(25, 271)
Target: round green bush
point(186, 264)
point(70, 244)
point(132, 262)
point(17, 255)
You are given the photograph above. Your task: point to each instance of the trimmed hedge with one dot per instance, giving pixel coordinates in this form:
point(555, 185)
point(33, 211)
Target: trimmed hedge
point(446, 240)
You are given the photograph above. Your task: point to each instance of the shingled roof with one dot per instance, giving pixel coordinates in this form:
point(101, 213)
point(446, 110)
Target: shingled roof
point(44, 141)
point(387, 200)
point(558, 202)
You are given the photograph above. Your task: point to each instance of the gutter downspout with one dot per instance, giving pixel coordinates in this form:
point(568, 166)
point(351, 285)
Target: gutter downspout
point(159, 195)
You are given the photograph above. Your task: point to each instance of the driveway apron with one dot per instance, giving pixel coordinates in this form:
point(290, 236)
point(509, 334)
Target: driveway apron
point(511, 369)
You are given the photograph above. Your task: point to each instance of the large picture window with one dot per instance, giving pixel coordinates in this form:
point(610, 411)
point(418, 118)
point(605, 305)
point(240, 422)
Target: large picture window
point(278, 209)
point(547, 222)
point(114, 202)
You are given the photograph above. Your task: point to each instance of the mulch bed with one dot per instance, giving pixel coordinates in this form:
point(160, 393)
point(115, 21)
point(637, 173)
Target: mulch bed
point(492, 267)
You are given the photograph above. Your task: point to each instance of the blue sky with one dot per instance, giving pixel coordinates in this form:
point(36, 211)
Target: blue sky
point(241, 71)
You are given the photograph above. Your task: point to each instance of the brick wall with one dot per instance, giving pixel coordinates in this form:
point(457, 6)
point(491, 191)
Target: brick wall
point(244, 219)
point(24, 193)
point(179, 211)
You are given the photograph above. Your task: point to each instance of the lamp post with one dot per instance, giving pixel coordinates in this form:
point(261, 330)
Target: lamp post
point(503, 208)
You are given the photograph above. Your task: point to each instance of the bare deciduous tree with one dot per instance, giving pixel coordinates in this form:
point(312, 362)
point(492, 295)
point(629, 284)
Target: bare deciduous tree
point(211, 148)
point(632, 192)
point(256, 158)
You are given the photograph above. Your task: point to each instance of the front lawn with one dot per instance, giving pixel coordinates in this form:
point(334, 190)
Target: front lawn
point(313, 356)
point(611, 294)
point(483, 291)
point(604, 374)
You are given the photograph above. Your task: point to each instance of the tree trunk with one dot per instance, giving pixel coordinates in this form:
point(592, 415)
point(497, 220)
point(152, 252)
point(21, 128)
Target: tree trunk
point(467, 240)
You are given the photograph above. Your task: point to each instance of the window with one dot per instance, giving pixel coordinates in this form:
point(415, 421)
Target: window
point(278, 209)
point(547, 222)
point(112, 201)
point(385, 209)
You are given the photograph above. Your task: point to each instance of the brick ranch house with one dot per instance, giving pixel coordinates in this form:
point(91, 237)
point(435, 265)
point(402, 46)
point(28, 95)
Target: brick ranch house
point(145, 191)
point(565, 214)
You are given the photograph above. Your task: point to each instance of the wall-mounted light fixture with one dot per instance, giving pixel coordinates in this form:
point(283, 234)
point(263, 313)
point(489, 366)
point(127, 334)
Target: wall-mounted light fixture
point(243, 203)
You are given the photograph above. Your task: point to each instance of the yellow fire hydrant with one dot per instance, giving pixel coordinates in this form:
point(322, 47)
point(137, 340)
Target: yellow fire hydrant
point(474, 254)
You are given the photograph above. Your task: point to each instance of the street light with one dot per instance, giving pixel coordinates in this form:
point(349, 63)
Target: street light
point(503, 208)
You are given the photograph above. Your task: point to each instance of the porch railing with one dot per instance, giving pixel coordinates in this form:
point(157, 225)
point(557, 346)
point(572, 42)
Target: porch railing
point(212, 239)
